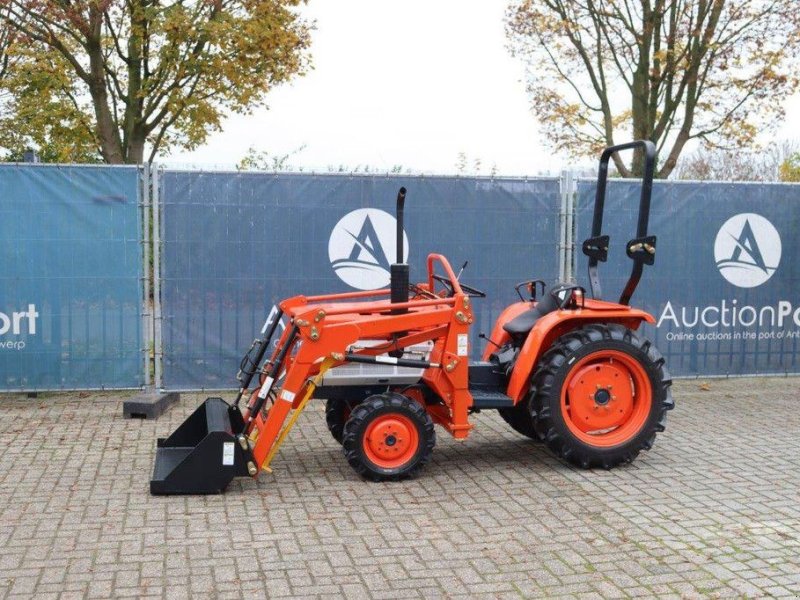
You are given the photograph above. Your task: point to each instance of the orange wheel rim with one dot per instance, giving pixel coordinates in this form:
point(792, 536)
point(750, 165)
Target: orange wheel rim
point(391, 441)
point(606, 398)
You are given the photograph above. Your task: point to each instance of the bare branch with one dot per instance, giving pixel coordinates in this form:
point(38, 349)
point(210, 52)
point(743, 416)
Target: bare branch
point(667, 70)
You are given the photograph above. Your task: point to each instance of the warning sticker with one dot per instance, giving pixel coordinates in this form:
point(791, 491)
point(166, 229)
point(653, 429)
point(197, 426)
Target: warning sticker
point(262, 393)
point(288, 396)
point(463, 344)
point(227, 454)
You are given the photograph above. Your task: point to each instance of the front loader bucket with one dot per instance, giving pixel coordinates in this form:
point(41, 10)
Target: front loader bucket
point(203, 454)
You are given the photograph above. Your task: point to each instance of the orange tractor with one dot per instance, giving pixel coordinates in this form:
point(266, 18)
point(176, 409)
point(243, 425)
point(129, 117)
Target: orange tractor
point(559, 367)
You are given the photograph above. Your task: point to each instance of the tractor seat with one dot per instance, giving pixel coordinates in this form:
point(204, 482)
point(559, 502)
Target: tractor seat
point(521, 325)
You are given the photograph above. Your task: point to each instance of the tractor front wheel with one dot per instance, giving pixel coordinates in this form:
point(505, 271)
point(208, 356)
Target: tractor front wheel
point(388, 437)
point(600, 395)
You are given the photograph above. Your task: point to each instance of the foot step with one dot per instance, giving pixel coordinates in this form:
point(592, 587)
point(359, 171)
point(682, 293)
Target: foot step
point(482, 398)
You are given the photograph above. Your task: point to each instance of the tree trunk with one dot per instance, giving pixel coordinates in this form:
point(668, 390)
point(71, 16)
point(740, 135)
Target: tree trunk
point(107, 133)
point(134, 131)
point(672, 160)
point(135, 154)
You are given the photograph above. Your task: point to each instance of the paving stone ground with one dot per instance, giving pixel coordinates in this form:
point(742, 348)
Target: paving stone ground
point(713, 510)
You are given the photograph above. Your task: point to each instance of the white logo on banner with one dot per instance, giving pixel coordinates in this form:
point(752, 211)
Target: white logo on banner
point(362, 246)
point(17, 323)
point(747, 250)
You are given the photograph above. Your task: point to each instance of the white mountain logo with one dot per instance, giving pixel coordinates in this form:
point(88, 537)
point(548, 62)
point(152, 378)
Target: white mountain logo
point(362, 246)
point(747, 250)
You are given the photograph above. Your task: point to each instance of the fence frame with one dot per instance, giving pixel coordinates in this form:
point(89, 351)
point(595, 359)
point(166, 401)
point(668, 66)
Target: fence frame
point(158, 348)
point(578, 179)
point(566, 254)
point(150, 211)
point(157, 170)
point(147, 314)
point(142, 205)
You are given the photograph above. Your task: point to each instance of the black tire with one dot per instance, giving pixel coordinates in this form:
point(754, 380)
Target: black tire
point(337, 411)
point(554, 372)
point(376, 409)
point(520, 420)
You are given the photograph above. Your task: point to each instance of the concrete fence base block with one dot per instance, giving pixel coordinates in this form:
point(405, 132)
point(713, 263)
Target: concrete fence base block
point(149, 405)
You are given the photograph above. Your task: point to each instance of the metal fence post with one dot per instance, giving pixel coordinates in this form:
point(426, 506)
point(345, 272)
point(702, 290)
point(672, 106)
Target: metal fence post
point(570, 190)
point(147, 313)
point(562, 228)
point(157, 343)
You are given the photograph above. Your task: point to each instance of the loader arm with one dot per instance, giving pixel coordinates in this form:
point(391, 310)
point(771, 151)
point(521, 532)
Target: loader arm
point(325, 331)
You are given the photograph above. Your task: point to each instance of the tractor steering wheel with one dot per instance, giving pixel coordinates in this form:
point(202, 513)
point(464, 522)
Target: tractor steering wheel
point(469, 290)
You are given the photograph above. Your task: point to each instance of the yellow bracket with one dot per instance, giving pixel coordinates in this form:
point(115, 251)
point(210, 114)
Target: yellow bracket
point(310, 388)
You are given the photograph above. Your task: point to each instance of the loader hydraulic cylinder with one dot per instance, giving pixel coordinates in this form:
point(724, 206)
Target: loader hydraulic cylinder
point(266, 387)
point(247, 371)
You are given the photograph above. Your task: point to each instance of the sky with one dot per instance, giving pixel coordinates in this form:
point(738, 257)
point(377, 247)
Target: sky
point(412, 84)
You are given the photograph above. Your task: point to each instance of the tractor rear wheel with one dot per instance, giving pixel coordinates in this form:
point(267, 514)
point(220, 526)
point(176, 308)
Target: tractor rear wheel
point(337, 411)
point(388, 437)
point(519, 417)
point(599, 396)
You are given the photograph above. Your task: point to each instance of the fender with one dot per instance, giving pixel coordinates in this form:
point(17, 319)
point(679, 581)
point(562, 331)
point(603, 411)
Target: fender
point(553, 325)
point(499, 335)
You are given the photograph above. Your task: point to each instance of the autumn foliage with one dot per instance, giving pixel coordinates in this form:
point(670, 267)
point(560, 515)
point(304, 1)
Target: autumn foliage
point(605, 71)
point(125, 80)
point(790, 169)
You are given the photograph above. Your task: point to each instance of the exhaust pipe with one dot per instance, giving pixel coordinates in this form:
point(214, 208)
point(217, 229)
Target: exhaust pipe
point(401, 201)
point(399, 270)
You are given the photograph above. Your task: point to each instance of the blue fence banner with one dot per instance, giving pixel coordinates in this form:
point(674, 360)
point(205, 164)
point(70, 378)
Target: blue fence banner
point(724, 287)
point(70, 278)
point(235, 244)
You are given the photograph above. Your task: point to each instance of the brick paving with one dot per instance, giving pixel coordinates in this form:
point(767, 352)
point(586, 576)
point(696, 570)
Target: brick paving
point(712, 511)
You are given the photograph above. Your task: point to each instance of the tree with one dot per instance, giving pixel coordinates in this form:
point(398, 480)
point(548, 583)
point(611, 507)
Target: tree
point(262, 160)
point(790, 168)
point(37, 109)
point(603, 71)
point(719, 164)
point(152, 75)
point(6, 37)
point(35, 112)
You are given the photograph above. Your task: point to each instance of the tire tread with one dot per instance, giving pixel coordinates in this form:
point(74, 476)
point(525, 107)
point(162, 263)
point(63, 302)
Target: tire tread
point(545, 398)
point(359, 419)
